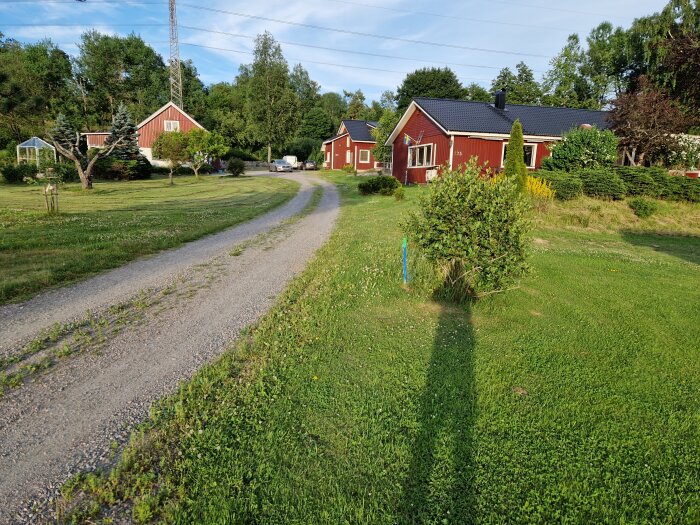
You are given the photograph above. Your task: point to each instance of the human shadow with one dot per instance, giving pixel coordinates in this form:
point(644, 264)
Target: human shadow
point(686, 247)
point(439, 486)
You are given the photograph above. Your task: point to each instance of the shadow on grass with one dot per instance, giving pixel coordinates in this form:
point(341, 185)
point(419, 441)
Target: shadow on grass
point(439, 485)
point(683, 247)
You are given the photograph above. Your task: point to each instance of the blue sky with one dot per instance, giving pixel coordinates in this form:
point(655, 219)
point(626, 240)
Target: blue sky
point(505, 32)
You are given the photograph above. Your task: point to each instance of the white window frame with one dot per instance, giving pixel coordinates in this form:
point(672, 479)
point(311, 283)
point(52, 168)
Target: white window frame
point(425, 164)
point(348, 157)
point(363, 160)
point(347, 141)
point(328, 156)
point(532, 165)
point(175, 127)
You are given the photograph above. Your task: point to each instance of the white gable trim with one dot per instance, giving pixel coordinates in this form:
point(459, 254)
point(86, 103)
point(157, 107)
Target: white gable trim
point(168, 105)
point(500, 136)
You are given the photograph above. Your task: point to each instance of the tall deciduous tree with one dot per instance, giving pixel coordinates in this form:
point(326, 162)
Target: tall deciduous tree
point(171, 146)
point(476, 93)
point(646, 122)
point(316, 124)
point(564, 84)
point(355, 101)
point(202, 146)
point(522, 88)
point(334, 104)
point(385, 126)
point(306, 89)
point(272, 103)
point(67, 142)
point(428, 82)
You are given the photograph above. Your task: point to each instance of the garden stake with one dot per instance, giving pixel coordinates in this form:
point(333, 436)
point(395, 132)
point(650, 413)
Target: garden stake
point(405, 261)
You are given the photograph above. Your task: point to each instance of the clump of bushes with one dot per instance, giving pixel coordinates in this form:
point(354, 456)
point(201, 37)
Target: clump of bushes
point(383, 184)
point(643, 208)
point(639, 181)
point(399, 193)
point(112, 168)
point(473, 231)
point(349, 169)
point(236, 167)
point(16, 173)
point(604, 183)
point(566, 186)
point(582, 148)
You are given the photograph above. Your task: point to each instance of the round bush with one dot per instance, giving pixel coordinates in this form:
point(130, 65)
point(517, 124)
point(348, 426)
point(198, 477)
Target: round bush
point(236, 167)
point(603, 183)
point(566, 186)
point(473, 230)
point(643, 208)
point(16, 173)
point(383, 184)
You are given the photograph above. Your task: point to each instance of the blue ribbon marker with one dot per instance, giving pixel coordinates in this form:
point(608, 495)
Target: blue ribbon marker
point(405, 261)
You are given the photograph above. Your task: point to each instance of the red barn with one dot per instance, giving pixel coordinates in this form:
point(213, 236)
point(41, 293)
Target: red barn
point(168, 118)
point(352, 145)
point(439, 132)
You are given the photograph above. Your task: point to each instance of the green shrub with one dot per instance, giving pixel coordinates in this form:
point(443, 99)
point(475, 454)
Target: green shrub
point(399, 193)
point(236, 167)
point(603, 183)
point(473, 230)
point(383, 184)
point(566, 186)
point(639, 181)
point(685, 189)
point(582, 149)
point(65, 172)
point(643, 208)
point(16, 173)
point(349, 169)
point(112, 168)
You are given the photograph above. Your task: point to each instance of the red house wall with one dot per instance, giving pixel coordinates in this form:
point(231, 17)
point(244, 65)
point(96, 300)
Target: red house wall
point(339, 148)
point(96, 140)
point(154, 127)
point(419, 124)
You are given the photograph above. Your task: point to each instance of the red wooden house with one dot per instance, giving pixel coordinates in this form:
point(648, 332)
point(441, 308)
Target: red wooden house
point(168, 118)
point(351, 145)
point(438, 132)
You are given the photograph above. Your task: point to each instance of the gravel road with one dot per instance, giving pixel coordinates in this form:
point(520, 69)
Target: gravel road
point(65, 419)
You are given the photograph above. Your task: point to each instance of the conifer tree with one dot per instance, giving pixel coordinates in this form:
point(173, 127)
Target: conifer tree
point(123, 127)
point(515, 156)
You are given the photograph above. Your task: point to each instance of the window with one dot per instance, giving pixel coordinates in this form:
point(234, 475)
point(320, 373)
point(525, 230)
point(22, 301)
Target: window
point(348, 157)
point(328, 156)
point(529, 152)
point(364, 156)
point(347, 141)
point(172, 125)
point(420, 156)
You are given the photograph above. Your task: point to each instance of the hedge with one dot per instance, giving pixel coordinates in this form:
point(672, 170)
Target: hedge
point(603, 182)
point(383, 184)
point(566, 185)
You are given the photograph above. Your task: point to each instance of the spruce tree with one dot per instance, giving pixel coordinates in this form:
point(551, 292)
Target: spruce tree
point(123, 127)
point(515, 156)
point(63, 132)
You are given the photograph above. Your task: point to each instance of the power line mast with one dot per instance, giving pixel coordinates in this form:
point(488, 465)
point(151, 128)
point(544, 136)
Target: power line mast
point(175, 71)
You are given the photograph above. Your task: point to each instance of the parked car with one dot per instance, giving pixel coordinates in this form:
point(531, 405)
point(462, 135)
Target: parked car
point(296, 165)
point(280, 165)
point(309, 165)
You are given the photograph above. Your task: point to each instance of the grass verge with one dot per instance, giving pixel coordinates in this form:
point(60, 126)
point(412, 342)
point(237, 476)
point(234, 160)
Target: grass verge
point(572, 399)
point(116, 223)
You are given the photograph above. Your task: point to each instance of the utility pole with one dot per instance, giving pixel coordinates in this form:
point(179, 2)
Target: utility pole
point(175, 71)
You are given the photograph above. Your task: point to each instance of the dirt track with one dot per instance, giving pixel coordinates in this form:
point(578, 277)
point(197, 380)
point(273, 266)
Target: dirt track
point(66, 418)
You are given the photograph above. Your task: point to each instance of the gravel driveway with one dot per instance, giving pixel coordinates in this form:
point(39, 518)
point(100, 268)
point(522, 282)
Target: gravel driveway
point(66, 419)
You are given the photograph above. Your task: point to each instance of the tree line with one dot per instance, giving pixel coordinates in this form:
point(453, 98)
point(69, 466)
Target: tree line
point(270, 108)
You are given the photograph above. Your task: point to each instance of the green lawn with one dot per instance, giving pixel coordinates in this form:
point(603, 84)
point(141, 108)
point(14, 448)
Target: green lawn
point(573, 399)
point(115, 223)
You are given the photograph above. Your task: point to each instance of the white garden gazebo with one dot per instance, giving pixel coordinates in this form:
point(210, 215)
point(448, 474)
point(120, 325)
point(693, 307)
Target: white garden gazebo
point(35, 151)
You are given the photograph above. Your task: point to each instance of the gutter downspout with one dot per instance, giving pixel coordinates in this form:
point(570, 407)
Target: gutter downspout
point(452, 152)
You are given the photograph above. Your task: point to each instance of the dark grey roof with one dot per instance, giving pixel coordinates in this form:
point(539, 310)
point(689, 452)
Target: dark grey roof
point(359, 129)
point(483, 117)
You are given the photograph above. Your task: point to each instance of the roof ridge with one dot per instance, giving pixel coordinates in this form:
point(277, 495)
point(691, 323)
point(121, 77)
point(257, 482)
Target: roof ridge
point(510, 104)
